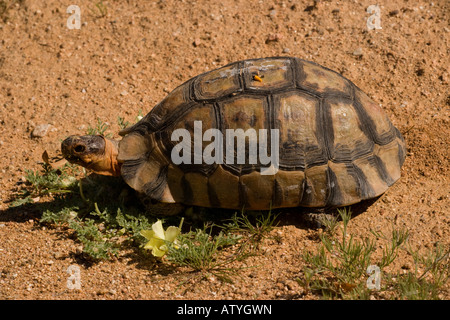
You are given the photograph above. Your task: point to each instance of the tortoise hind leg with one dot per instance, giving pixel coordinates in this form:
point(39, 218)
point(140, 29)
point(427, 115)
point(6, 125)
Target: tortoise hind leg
point(316, 218)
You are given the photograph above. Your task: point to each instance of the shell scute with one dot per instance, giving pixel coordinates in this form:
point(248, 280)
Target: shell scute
point(217, 83)
point(274, 74)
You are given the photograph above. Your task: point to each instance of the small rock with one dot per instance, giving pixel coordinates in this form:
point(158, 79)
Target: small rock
point(78, 249)
point(358, 52)
point(437, 231)
point(124, 93)
point(286, 50)
point(59, 255)
point(274, 37)
point(102, 292)
point(393, 12)
point(40, 130)
point(197, 42)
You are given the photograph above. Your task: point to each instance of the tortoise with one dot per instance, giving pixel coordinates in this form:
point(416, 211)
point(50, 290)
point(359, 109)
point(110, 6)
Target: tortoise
point(334, 145)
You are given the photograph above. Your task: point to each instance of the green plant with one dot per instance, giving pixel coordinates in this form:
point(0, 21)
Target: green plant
point(99, 231)
point(338, 269)
point(428, 284)
point(262, 224)
point(59, 217)
point(51, 181)
point(390, 252)
point(95, 243)
point(122, 123)
point(102, 9)
point(202, 252)
point(45, 182)
point(99, 129)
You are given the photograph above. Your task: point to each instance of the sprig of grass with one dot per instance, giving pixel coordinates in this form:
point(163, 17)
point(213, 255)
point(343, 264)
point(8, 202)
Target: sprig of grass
point(122, 123)
point(51, 181)
point(102, 9)
point(263, 223)
point(428, 284)
point(390, 252)
point(339, 268)
point(99, 129)
point(203, 253)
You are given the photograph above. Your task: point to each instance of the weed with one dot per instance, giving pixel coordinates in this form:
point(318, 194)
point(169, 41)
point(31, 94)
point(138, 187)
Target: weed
point(61, 217)
point(95, 243)
point(101, 11)
point(202, 252)
point(97, 230)
point(428, 284)
point(390, 252)
point(45, 182)
point(257, 230)
point(122, 123)
point(99, 129)
point(338, 269)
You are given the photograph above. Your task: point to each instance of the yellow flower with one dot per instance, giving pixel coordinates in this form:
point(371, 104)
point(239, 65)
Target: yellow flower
point(158, 238)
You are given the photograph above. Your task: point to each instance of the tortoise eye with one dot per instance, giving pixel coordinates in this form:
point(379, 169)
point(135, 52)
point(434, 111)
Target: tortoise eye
point(79, 148)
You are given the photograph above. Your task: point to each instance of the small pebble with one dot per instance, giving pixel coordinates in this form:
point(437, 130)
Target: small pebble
point(358, 52)
point(393, 12)
point(40, 131)
point(197, 42)
point(274, 37)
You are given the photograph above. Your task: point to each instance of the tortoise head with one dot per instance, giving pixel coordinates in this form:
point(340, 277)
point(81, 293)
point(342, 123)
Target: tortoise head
point(96, 153)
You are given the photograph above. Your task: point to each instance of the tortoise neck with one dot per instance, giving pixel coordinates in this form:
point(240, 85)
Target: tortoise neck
point(111, 152)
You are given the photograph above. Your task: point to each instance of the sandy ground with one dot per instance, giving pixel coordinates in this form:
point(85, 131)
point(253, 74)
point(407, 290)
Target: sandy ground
point(128, 59)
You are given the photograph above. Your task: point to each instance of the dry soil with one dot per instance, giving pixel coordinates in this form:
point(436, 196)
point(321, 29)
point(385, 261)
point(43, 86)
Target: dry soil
point(127, 55)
